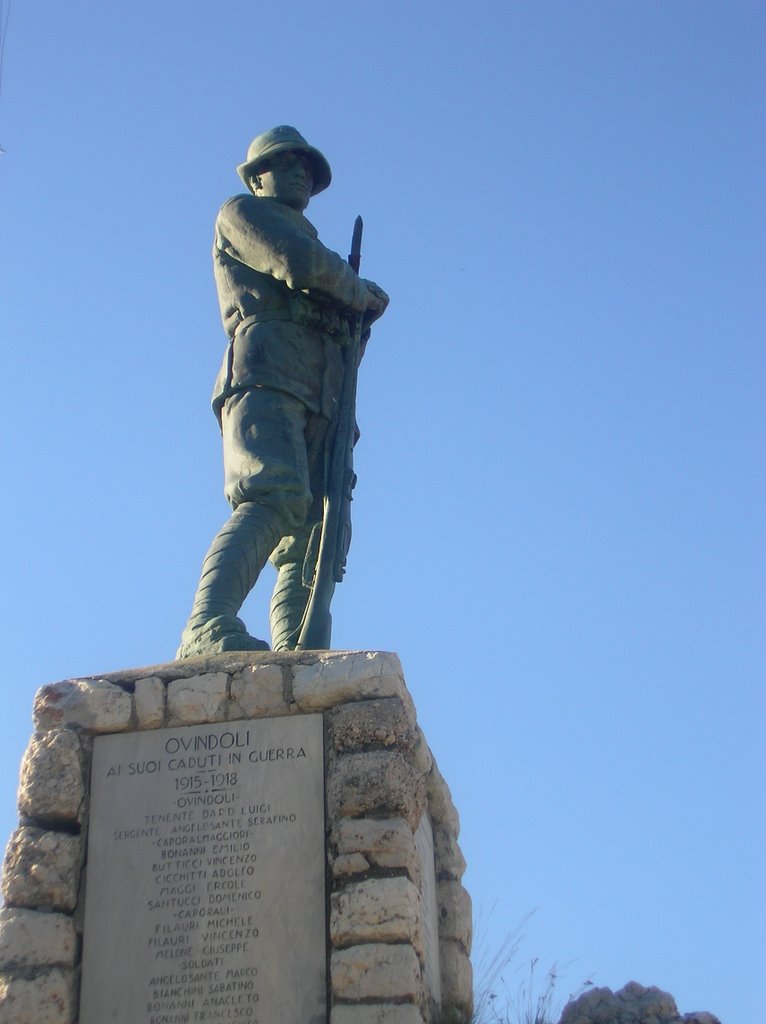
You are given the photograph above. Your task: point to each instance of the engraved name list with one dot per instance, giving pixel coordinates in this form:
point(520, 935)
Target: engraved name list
point(205, 876)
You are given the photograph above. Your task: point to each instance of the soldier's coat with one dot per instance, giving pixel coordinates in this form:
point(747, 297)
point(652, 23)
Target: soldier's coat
point(282, 296)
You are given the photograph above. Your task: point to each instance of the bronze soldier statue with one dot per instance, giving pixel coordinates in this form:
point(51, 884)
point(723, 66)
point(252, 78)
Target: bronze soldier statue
point(289, 306)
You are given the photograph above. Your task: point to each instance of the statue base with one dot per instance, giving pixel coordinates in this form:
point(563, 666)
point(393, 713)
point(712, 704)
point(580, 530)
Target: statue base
point(263, 836)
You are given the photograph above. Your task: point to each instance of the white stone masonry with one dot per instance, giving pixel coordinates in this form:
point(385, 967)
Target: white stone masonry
point(399, 920)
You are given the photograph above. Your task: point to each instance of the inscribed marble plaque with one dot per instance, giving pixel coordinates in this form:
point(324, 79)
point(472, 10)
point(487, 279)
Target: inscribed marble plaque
point(205, 876)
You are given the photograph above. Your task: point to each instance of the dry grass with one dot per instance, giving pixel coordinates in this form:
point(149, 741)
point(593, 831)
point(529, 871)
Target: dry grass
point(507, 992)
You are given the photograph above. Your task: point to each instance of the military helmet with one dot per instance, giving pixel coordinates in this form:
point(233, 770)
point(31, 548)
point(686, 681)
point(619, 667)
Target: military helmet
point(284, 139)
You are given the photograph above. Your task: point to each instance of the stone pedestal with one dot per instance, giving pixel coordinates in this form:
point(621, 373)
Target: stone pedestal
point(397, 921)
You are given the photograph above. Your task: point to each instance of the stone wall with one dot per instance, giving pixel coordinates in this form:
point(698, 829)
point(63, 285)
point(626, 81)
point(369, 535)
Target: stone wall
point(399, 934)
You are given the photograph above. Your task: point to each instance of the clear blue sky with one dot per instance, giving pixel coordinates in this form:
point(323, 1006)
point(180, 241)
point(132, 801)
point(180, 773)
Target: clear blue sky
point(559, 516)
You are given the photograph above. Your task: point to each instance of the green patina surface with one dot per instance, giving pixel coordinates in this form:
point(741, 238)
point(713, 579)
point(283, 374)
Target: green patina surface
point(290, 308)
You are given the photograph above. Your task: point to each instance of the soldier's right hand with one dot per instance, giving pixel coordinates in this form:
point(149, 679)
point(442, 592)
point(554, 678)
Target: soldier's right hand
point(377, 300)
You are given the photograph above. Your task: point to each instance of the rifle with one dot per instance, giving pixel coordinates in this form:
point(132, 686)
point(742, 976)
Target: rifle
point(327, 556)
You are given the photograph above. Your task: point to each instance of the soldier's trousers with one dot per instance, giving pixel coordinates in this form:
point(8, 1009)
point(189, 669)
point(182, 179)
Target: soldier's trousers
point(273, 452)
point(274, 455)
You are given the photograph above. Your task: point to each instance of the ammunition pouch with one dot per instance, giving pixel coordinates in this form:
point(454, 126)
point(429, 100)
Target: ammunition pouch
point(318, 316)
point(308, 312)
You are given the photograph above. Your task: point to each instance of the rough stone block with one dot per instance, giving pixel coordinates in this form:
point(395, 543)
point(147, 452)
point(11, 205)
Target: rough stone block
point(31, 939)
point(376, 910)
point(91, 704)
point(448, 856)
point(456, 978)
point(376, 971)
point(42, 869)
point(421, 755)
point(376, 1013)
point(150, 702)
point(455, 920)
point(337, 678)
point(350, 864)
point(46, 999)
point(258, 691)
point(367, 724)
point(440, 805)
point(198, 699)
point(52, 784)
point(378, 783)
point(386, 844)
point(633, 1004)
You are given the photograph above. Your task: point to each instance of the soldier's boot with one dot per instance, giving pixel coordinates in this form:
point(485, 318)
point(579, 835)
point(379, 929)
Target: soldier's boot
point(288, 603)
point(230, 568)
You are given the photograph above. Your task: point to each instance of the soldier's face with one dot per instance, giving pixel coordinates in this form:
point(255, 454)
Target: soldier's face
point(289, 179)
